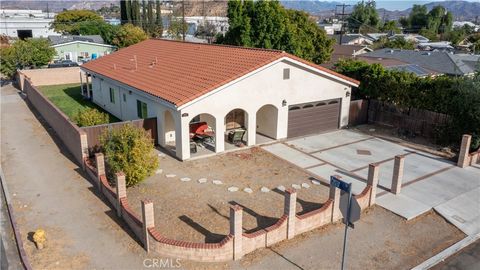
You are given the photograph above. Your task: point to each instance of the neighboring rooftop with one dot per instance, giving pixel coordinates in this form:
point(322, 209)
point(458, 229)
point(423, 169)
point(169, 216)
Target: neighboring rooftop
point(345, 52)
point(56, 40)
point(440, 62)
point(179, 72)
point(347, 38)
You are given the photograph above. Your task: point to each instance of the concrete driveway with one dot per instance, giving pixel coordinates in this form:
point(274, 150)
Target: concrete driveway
point(429, 181)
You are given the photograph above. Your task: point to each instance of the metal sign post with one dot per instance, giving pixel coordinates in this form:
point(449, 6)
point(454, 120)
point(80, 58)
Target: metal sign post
point(346, 187)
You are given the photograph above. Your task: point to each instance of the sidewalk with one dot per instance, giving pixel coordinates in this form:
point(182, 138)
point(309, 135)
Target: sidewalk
point(49, 191)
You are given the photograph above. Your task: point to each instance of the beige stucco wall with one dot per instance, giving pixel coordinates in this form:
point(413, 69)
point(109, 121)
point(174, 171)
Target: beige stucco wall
point(52, 76)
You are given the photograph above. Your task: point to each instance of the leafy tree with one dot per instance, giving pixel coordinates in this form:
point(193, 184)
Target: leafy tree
point(416, 20)
point(8, 65)
point(105, 30)
point(127, 35)
point(399, 43)
point(176, 28)
point(364, 17)
point(266, 24)
point(90, 117)
point(437, 21)
point(158, 20)
point(130, 150)
point(390, 26)
point(67, 22)
point(206, 29)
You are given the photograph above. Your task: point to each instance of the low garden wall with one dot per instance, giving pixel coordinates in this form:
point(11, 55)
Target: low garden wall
point(465, 157)
point(49, 76)
point(70, 134)
point(236, 243)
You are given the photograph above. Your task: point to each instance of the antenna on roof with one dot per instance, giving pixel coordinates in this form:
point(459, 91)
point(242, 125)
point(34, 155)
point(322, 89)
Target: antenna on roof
point(115, 66)
point(136, 64)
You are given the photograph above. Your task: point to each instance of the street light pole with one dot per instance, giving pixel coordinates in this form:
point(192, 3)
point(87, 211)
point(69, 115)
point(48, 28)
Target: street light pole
point(347, 221)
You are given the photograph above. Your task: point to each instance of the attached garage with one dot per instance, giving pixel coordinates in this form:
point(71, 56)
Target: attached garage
point(313, 117)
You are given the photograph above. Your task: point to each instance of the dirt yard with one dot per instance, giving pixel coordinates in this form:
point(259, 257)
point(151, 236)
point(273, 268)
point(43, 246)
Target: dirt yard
point(199, 212)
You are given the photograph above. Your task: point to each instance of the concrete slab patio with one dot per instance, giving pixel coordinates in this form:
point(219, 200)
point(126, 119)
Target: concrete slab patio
point(429, 181)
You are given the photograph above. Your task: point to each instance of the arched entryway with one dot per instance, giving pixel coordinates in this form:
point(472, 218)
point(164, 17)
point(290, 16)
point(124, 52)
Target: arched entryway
point(267, 122)
point(202, 133)
point(236, 128)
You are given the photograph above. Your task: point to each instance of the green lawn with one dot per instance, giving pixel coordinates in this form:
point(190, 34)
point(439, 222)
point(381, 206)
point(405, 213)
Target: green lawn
point(68, 99)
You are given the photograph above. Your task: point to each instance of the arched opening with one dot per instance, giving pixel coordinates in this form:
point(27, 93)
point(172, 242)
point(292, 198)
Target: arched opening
point(236, 128)
point(202, 134)
point(267, 119)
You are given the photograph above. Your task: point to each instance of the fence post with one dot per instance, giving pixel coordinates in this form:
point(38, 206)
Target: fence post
point(397, 174)
point(335, 197)
point(83, 147)
point(290, 207)
point(236, 220)
point(148, 221)
point(474, 158)
point(373, 170)
point(121, 191)
point(464, 151)
point(100, 161)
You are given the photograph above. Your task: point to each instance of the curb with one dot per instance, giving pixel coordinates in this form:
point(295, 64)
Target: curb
point(18, 238)
point(440, 257)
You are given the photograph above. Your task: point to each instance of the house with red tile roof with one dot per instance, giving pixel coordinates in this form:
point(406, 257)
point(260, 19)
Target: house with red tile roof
point(212, 98)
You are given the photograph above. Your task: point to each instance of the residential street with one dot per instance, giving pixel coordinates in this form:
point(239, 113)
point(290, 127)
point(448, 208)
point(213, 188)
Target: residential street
point(49, 192)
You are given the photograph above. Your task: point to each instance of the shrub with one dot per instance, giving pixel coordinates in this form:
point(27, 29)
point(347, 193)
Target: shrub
point(131, 151)
point(90, 117)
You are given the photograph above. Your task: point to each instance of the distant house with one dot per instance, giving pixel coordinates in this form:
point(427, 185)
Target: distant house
point(345, 52)
point(415, 38)
point(80, 48)
point(331, 28)
point(437, 61)
point(439, 46)
point(220, 97)
point(24, 23)
point(394, 64)
point(352, 39)
point(376, 36)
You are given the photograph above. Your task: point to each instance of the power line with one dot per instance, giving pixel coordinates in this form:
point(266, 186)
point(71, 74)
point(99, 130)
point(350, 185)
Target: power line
point(343, 21)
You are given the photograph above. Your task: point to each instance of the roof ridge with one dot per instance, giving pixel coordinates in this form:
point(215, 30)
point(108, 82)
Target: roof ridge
point(220, 45)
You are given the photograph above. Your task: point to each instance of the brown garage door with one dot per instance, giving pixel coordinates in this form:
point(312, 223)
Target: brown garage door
point(313, 117)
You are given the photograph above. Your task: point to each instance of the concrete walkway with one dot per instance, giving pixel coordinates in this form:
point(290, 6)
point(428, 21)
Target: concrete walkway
point(49, 191)
point(429, 181)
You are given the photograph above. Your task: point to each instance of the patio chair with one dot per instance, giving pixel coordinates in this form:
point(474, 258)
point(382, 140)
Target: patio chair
point(236, 136)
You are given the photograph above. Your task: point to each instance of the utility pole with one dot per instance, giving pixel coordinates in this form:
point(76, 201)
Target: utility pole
point(343, 14)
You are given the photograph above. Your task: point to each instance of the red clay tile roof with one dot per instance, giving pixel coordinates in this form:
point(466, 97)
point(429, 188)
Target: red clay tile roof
point(179, 72)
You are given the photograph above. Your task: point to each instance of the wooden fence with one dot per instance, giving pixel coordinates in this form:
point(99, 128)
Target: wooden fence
point(409, 121)
point(94, 132)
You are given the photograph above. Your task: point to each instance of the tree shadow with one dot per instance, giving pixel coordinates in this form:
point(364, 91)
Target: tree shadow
point(262, 221)
point(210, 237)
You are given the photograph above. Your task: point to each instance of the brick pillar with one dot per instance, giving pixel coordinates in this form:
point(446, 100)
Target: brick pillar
point(373, 170)
point(148, 221)
point(236, 219)
point(290, 207)
point(397, 174)
point(464, 151)
point(474, 158)
point(100, 161)
point(121, 190)
point(334, 195)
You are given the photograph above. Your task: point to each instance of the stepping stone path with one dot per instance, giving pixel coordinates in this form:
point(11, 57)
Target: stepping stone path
point(281, 188)
point(159, 171)
point(161, 155)
point(265, 189)
point(305, 185)
point(295, 186)
point(202, 180)
point(315, 182)
point(233, 189)
point(185, 179)
point(170, 175)
point(217, 182)
point(248, 190)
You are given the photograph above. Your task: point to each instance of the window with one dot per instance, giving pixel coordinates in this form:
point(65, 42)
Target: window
point(124, 97)
point(321, 104)
point(308, 106)
point(142, 109)
point(286, 73)
point(294, 108)
point(333, 102)
point(112, 95)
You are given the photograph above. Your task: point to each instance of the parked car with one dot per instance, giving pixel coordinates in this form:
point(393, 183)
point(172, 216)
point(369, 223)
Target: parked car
point(63, 63)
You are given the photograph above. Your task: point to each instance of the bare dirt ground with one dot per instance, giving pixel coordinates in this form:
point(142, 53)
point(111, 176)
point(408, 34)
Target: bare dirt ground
point(197, 212)
point(419, 143)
